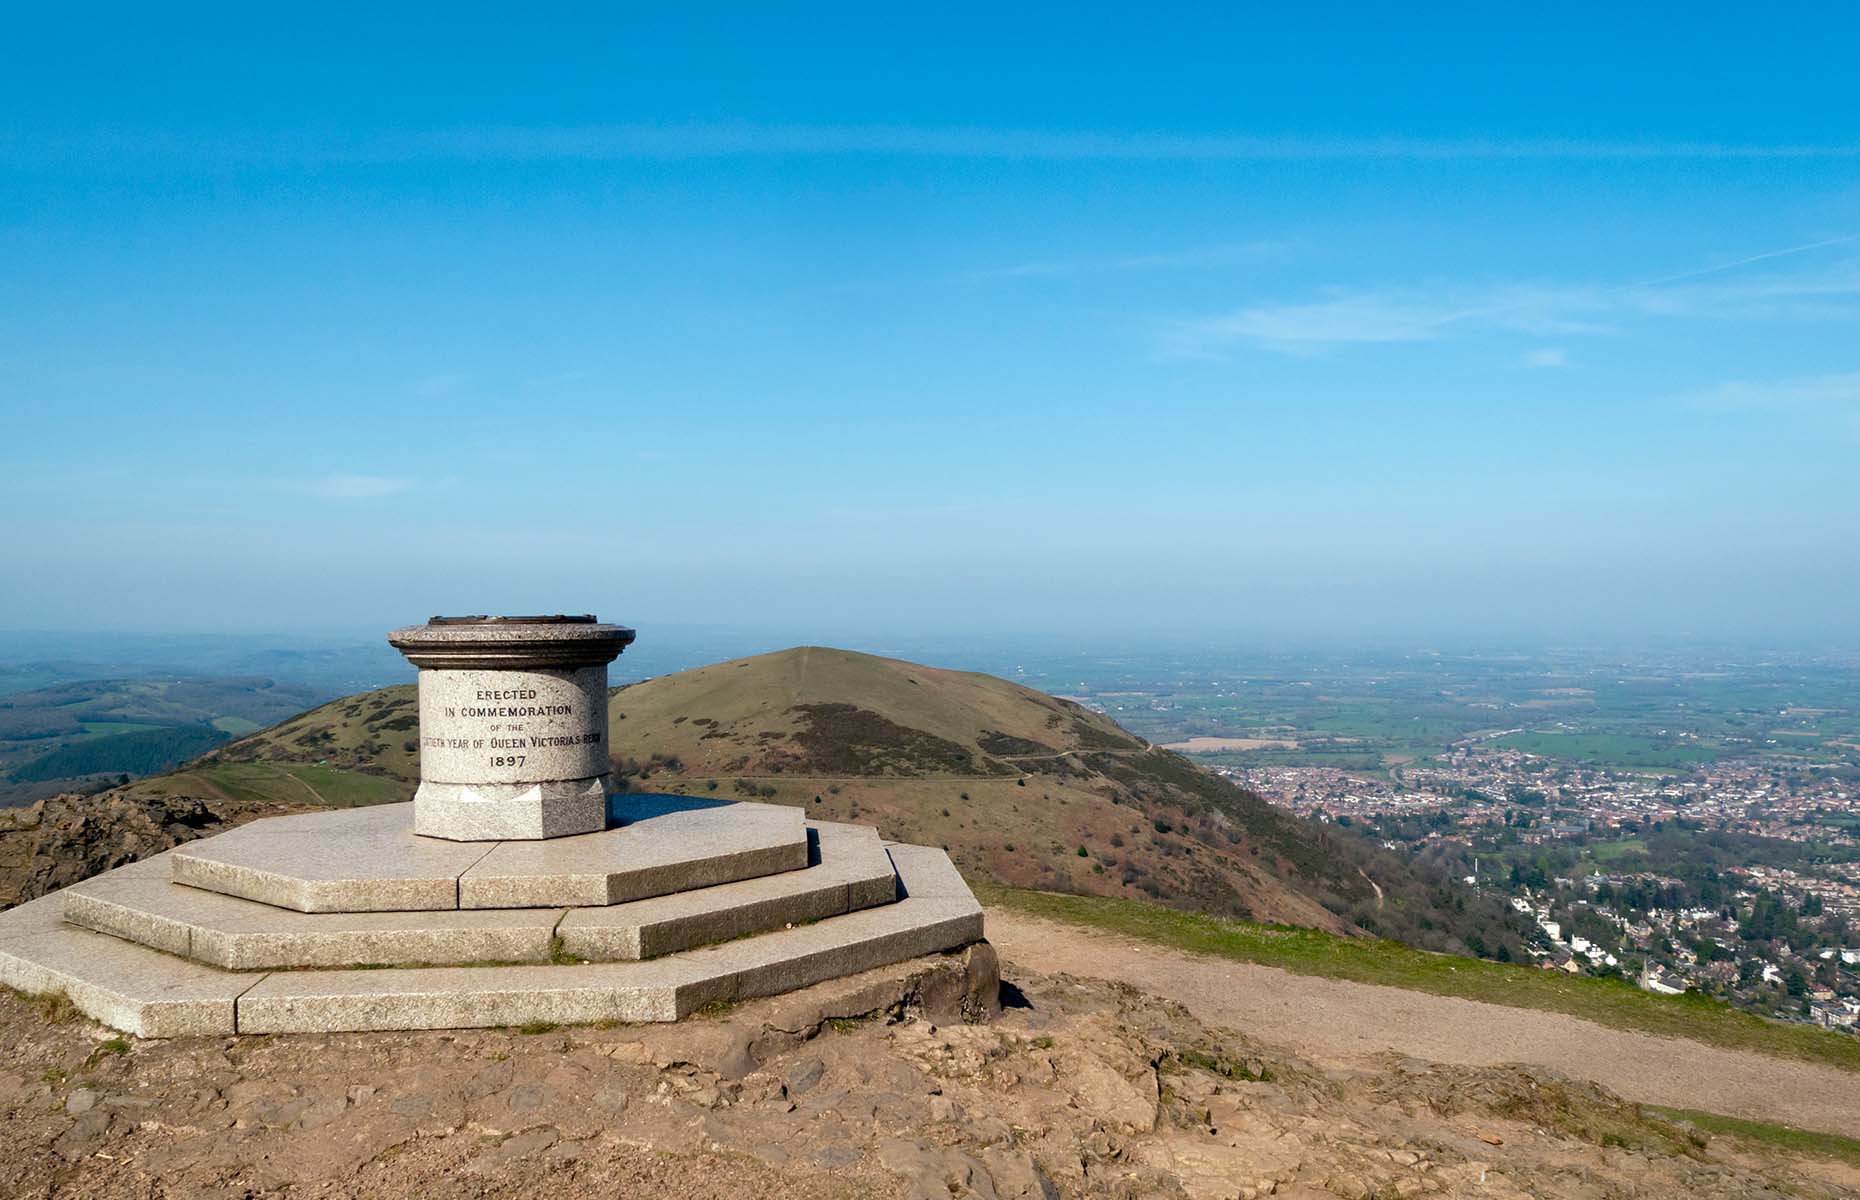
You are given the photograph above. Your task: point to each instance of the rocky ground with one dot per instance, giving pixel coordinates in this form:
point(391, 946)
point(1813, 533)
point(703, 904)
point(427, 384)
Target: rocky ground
point(60, 840)
point(876, 1086)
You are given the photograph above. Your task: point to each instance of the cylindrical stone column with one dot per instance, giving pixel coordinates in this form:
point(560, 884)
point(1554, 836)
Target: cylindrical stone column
point(513, 725)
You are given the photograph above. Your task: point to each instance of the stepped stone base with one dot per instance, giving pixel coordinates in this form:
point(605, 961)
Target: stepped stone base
point(662, 989)
point(244, 935)
point(149, 950)
point(370, 860)
point(126, 986)
point(849, 870)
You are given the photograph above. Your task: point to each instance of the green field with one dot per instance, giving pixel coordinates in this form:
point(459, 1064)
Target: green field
point(1612, 853)
point(1308, 952)
point(283, 783)
point(1613, 749)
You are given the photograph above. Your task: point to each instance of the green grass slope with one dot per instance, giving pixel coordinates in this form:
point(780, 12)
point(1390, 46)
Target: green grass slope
point(361, 749)
point(372, 733)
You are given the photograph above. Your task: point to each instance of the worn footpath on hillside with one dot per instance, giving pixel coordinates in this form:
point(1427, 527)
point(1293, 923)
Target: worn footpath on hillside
point(1340, 1022)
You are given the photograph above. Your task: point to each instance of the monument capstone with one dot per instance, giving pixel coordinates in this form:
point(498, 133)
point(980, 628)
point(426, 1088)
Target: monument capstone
point(513, 725)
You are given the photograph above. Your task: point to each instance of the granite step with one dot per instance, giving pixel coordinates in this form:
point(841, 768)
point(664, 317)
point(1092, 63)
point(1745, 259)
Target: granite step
point(368, 860)
point(125, 986)
point(154, 994)
point(848, 870)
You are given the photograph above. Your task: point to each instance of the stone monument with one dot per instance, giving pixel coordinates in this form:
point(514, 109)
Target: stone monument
point(512, 890)
point(513, 725)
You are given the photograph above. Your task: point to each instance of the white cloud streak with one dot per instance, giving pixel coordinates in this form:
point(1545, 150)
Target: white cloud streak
point(356, 487)
point(1379, 315)
point(1827, 397)
point(1347, 316)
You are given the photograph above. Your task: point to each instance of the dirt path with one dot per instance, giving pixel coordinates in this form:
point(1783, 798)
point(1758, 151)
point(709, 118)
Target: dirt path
point(1338, 1022)
point(316, 797)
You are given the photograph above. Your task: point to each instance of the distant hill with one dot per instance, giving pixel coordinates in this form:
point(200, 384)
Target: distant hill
point(1023, 788)
point(1013, 781)
point(77, 736)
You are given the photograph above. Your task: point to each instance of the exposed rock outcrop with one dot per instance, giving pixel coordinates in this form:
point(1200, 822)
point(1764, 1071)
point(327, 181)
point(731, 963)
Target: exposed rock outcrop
point(60, 840)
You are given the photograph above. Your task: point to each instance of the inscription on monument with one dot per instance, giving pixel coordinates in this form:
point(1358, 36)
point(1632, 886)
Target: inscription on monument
point(551, 728)
point(513, 724)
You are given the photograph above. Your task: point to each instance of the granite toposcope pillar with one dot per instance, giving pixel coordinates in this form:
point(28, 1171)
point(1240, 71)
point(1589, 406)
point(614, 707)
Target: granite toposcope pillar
point(513, 725)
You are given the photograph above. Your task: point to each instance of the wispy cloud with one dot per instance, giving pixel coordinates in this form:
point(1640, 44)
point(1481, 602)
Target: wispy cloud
point(1828, 397)
point(355, 487)
point(1370, 315)
point(1341, 316)
point(1748, 259)
point(737, 139)
point(1546, 358)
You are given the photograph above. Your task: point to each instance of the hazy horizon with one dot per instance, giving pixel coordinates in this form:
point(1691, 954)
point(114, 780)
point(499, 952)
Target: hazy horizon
point(656, 638)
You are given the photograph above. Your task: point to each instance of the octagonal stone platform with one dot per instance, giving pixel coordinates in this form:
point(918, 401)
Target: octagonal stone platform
point(155, 994)
point(848, 870)
point(369, 860)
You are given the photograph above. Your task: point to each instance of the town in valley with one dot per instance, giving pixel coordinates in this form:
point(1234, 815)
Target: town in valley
point(1684, 820)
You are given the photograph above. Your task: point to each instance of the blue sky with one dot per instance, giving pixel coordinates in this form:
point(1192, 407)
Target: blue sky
point(1337, 321)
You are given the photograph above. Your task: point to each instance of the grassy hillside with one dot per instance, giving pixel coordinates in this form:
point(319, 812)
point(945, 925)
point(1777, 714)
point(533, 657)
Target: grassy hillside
point(371, 733)
point(833, 711)
point(278, 784)
point(1023, 788)
point(361, 749)
point(1020, 786)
